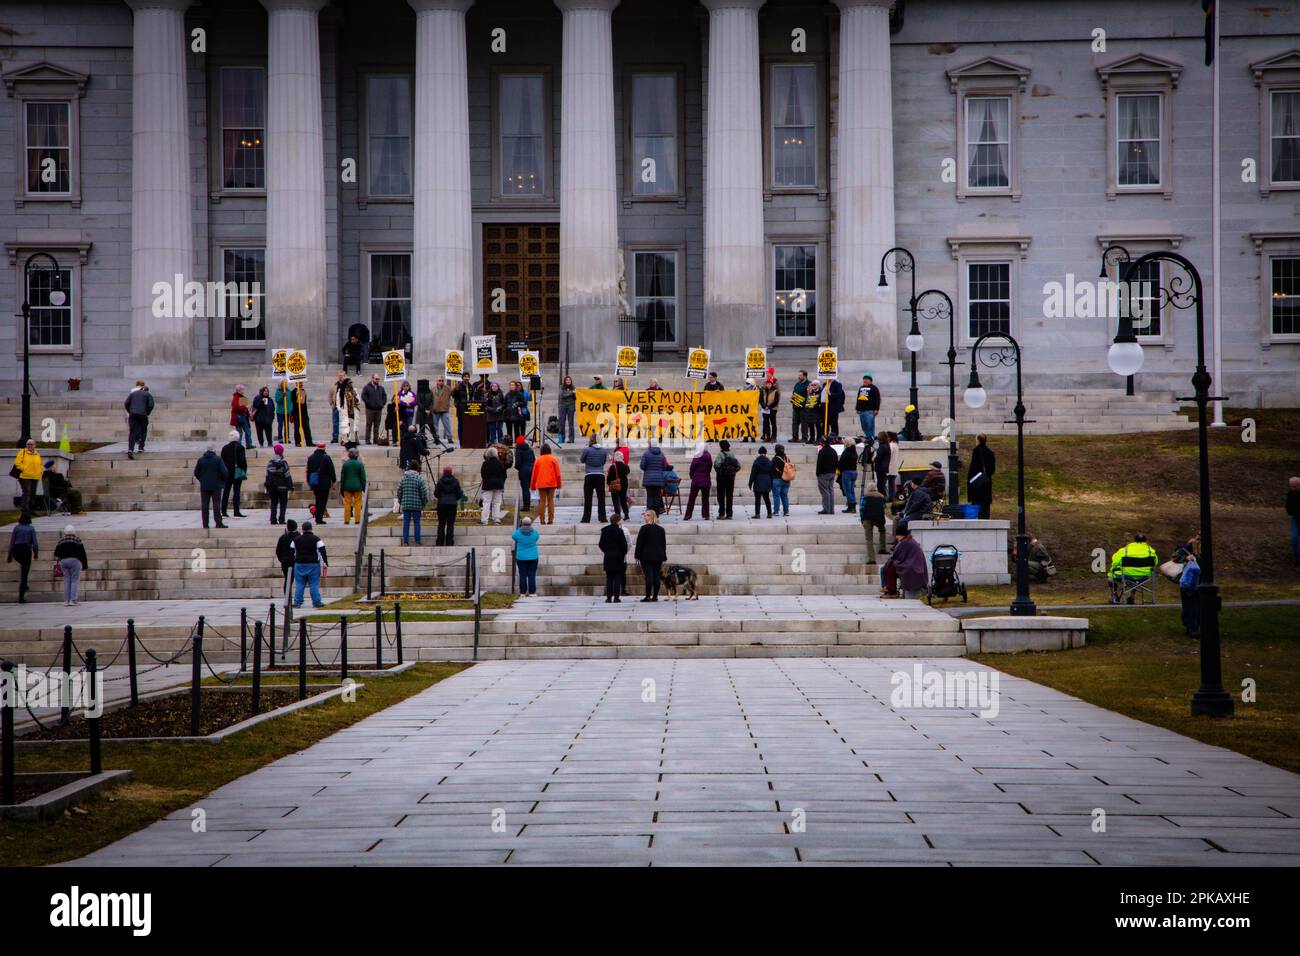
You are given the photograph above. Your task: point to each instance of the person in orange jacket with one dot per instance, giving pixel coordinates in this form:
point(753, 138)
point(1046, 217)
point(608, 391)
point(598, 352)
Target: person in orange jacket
point(546, 481)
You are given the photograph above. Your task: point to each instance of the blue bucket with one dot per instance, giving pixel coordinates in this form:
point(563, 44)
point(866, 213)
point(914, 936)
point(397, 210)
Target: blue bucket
point(970, 512)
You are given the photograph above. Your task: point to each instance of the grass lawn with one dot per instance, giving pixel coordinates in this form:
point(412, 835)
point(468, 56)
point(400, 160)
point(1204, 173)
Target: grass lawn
point(1139, 664)
point(1083, 493)
point(171, 776)
point(412, 610)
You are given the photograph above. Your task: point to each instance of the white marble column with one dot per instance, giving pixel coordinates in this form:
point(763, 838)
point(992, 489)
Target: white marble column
point(442, 268)
point(162, 234)
point(295, 181)
point(865, 317)
point(588, 181)
point(736, 299)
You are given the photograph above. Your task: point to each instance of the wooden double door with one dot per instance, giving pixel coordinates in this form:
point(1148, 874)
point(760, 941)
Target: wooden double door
point(521, 287)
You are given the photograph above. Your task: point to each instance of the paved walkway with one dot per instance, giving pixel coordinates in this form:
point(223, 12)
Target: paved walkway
point(738, 761)
point(725, 607)
point(93, 613)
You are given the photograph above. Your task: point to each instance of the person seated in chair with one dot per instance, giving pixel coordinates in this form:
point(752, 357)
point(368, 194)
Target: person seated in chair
point(1139, 550)
point(672, 481)
point(59, 488)
point(919, 504)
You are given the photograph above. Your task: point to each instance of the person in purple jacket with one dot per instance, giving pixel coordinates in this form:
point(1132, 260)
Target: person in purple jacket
point(906, 565)
point(701, 472)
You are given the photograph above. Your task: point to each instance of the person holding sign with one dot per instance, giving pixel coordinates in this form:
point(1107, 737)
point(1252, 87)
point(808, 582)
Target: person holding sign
point(798, 396)
point(712, 384)
point(374, 397)
point(769, 400)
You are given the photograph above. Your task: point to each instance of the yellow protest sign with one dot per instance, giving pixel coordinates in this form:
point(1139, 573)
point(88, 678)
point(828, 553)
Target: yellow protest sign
point(626, 361)
point(279, 363)
point(667, 414)
point(394, 366)
point(697, 363)
point(453, 362)
point(528, 364)
point(296, 365)
point(828, 362)
point(755, 362)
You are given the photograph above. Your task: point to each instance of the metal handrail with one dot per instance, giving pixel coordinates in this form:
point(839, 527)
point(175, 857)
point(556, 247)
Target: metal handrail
point(361, 539)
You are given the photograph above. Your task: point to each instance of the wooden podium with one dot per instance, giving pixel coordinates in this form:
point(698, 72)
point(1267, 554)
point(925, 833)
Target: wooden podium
point(473, 426)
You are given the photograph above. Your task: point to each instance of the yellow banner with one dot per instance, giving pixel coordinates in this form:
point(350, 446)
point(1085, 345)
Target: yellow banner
point(665, 414)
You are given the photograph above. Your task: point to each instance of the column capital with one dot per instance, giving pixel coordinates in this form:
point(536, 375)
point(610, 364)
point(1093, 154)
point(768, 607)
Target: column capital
point(713, 6)
point(308, 6)
point(888, 5)
point(602, 6)
point(435, 6)
point(177, 5)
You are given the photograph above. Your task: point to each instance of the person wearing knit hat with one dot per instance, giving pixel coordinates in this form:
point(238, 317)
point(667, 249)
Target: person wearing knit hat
point(727, 467)
point(524, 461)
point(278, 484)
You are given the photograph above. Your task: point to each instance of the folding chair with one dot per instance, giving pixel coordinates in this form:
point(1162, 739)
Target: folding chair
point(1137, 579)
point(670, 500)
point(48, 503)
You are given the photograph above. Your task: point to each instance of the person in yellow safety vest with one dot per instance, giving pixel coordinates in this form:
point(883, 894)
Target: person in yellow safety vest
point(1137, 548)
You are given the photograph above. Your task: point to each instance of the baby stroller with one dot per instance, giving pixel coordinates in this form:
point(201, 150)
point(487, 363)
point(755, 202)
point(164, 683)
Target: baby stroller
point(945, 574)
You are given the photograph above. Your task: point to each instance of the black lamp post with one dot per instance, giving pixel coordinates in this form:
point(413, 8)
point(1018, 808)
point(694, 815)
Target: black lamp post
point(943, 309)
point(1117, 254)
point(57, 298)
point(904, 261)
point(1183, 291)
point(975, 397)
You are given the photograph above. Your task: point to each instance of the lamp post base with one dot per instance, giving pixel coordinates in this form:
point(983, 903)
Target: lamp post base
point(1212, 703)
point(1023, 608)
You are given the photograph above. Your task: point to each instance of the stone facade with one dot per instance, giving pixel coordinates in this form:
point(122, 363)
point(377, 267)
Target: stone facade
point(1059, 208)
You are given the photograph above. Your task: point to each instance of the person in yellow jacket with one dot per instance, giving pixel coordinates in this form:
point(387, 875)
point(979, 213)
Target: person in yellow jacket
point(1137, 548)
point(30, 468)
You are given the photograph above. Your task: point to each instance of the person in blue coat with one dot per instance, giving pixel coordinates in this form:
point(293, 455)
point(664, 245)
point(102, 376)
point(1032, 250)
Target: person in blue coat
point(526, 557)
point(652, 477)
point(211, 473)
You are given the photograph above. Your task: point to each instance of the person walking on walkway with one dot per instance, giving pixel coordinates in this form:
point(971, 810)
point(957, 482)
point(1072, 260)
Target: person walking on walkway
point(783, 472)
point(284, 553)
point(279, 484)
point(546, 481)
point(613, 545)
point(211, 473)
point(593, 460)
point(701, 473)
point(412, 496)
point(263, 416)
point(979, 486)
point(447, 494)
point(653, 467)
point(651, 552)
point(352, 483)
point(568, 409)
point(236, 462)
point(525, 461)
point(616, 482)
point(139, 406)
point(727, 466)
point(868, 406)
point(241, 415)
point(526, 556)
point(872, 513)
point(1293, 511)
point(70, 556)
point(760, 481)
point(23, 547)
point(309, 563)
point(30, 467)
point(492, 482)
point(1187, 584)
point(827, 464)
point(374, 397)
point(849, 475)
point(320, 479)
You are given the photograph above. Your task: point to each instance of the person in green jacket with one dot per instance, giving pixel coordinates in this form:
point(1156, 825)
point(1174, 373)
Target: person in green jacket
point(279, 395)
point(352, 482)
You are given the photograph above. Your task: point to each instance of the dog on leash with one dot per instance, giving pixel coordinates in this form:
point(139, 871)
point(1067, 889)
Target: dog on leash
point(676, 576)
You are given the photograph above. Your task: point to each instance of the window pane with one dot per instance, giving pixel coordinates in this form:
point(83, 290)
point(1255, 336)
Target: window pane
point(522, 117)
point(654, 295)
point(795, 289)
point(794, 125)
point(988, 141)
point(245, 319)
point(1138, 139)
point(390, 299)
point(654, 135)
point(388, 116)
point(1286, 136)
point(1285, 299)
point(49, 154)
point(243, 127)
point(49, 324)
point(988, 298)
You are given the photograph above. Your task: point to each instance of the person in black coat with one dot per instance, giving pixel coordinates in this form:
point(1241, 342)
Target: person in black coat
point(613, 545)
point(322, 466)
point(651, 551)
point(211, 473)
point(284, 550)
point(412, 449)
point(979, 486)
point(447, 494)
point(760, 481)
point(236, 462)
point(264, 416)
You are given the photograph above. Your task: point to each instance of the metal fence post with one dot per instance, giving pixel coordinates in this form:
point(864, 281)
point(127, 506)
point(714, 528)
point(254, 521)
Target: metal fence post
point(302, 658)
point(343, 647)
point(383, 581)
point(478, 601)
point(92, 723)
point(130, 661)
point(257, 668)
point(67, 674)
point(196, 676)
point(397, 620)
point(243, 638)
point(379, 636)
point(370, 574)
point(7, 733)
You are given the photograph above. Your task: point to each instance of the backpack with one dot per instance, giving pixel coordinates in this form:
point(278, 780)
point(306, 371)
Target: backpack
point(728, 467)
point(788, 472)
point(508, 459)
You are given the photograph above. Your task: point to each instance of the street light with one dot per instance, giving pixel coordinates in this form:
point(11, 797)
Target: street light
point(56, 299)
point(975, 397)
point(943, 309)
point(904, 261)
point(1125, 356)
point(1183, 291)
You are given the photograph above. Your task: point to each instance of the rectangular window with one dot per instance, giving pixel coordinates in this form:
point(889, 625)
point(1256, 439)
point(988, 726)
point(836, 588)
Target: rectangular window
point(243, 127)
point(654, 292)
point(522, 111)
point(654, 135)
point(49, 324)
point(1284, 295)
point(1137, 138)
point(49, 148)
point(988, 142)
point(795, 289)
point(388, 130)
point(390, 299)
point(1285, 136)
point(246, 268)
point(988, 298)
point(1144, 297)
point(794, 124)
